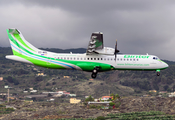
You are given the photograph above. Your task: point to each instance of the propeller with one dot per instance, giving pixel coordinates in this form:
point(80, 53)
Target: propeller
point(116, 51)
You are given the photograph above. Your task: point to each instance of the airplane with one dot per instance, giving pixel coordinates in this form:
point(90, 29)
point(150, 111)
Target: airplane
point(96, 59)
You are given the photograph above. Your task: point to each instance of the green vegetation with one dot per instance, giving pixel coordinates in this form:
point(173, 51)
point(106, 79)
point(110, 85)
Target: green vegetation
point(4, 110)
point(152, 115)
point(90, 98)
point(140, 116)
point(21, 76)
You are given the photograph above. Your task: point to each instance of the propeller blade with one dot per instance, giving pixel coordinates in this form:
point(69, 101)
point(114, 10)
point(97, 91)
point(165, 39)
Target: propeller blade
point(116, 51)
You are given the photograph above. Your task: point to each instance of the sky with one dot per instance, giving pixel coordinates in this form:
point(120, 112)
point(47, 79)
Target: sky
point(140, 26)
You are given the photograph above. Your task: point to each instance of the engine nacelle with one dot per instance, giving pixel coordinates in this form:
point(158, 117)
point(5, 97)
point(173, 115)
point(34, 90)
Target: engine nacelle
point(106, 51)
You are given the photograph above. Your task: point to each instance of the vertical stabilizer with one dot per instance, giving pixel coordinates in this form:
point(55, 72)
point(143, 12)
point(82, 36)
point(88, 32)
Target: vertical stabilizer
point(95, 43)
point(18, 43)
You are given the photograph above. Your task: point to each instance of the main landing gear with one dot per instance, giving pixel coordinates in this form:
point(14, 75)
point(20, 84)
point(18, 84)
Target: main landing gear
point(158, 72)
point(94, 72)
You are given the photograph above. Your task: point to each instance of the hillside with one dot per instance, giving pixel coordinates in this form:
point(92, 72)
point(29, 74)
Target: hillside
point(22, 76)
point(136, 107)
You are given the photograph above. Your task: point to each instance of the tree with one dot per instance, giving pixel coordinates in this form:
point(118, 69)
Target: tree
point(10, 79)
point(165, 87)
point(114, 97)
point(173, 87)
point(90, 98)
point(49, 95)
point(39, 78)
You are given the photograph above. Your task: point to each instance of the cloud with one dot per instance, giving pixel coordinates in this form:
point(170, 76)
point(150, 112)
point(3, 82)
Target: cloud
point(140, 26)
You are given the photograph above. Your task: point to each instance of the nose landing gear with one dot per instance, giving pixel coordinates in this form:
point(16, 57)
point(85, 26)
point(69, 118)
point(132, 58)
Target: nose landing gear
point(158, 72)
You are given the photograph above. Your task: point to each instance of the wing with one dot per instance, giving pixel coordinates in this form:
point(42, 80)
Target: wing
point(95, 43)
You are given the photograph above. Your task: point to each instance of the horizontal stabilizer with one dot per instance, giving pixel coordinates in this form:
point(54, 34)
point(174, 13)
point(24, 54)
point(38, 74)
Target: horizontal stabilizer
point(16, 58)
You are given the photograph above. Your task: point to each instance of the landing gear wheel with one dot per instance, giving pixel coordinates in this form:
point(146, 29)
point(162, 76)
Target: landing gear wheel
point(94, 70)
point(158, 73)
point(93, 75)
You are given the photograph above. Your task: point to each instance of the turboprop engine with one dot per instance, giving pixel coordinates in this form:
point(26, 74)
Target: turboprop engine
point(106, 51)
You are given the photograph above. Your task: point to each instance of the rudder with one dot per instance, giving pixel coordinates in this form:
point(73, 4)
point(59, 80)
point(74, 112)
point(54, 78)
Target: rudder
point(18, 44)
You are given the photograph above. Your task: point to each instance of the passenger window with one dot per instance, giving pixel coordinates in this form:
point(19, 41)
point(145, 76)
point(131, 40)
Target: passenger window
point(67, 58)
point(94, 58)
point(130, 59)
point(84, 58)
point(98, 58)
point(91, 58)
point(58, 57)
point(104, 58)
point(117, 59)
point(101, 58)
point(81, 58)
point(77, 58)
point(137, 59)
point(70, 58)
point(88, 58)
point(133, 59)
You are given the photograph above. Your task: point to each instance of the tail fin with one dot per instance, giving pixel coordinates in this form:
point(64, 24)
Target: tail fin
point(18, 43)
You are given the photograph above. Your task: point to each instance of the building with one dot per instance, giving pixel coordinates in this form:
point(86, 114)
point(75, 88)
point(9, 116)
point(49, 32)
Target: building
point(153, 91)
point(66, 93)
point(146, 95)
point(72, 95)
point(162, 92)
point(25, 91)
point(41, 74)
point(74, 100)
point(30, 88)
point(3, 93)
point(51, 99)
point(33, 91)
point(36, 96)
point(35, 69)
point(172, 94)
point(66, 76)
point(57, 95)
point(106, 97)
point(1, 78)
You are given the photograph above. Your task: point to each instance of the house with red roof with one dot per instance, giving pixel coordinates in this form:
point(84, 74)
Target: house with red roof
point(106, 97)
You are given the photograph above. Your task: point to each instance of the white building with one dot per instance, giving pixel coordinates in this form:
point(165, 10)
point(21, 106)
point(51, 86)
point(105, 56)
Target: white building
point(172, 94)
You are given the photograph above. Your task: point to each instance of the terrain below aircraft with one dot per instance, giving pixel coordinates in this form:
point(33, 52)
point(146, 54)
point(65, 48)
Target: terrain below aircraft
point(96, 59)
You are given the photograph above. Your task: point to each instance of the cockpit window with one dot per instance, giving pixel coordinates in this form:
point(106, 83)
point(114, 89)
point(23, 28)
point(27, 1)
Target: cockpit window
point(155, 58)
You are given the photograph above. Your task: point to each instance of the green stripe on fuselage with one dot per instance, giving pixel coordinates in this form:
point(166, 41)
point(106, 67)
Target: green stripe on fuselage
point(84, 65)
point(17, 36)
point(41, 63)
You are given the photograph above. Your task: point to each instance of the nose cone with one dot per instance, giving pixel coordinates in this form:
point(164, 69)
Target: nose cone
point(166, 65)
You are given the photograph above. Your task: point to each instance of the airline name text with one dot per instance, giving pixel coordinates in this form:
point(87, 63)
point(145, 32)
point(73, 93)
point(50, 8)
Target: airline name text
point(136, 56)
